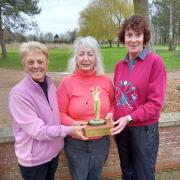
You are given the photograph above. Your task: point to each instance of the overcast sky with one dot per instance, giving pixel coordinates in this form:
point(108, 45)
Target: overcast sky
point(59, 16)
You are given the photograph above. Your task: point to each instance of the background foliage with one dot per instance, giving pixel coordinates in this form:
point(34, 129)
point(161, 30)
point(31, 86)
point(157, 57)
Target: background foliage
point(58, 58)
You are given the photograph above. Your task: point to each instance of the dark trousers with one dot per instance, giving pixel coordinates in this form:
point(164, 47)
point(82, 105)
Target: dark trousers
point(44, 171)
point(86, 158)
point(138, 148)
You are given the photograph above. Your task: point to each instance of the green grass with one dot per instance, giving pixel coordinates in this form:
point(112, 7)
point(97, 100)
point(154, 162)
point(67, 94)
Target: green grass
point(13, 60)
point(111, 56)
point(171, 59)
point(58, 58)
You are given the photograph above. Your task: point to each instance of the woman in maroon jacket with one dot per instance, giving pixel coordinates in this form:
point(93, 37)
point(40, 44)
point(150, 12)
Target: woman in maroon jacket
point(140, 84)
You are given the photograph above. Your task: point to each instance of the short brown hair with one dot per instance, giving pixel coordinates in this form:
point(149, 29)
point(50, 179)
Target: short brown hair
point(138, 24)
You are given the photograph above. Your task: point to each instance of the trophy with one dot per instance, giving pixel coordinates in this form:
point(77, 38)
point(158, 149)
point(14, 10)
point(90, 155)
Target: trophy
point(98, 126)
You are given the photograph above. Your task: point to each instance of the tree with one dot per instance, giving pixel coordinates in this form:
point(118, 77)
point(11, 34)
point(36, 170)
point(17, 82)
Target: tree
point(14, 15)
point(115, 11)
point(167, 21)
point(70, 36)
point(109, 27)
point(48, 37)
point(120, 11)
point(102, 18)
point(142, 7)
point(56, 38)
point(91, 21)
point(138, 4)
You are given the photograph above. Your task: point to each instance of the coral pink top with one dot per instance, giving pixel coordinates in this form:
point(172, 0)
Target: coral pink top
point(75, 99)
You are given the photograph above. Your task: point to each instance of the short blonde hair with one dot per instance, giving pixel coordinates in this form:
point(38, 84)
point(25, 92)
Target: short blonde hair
point(30, 46)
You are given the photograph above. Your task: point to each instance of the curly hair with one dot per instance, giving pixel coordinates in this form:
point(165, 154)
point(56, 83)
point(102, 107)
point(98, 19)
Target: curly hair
point(138, 24)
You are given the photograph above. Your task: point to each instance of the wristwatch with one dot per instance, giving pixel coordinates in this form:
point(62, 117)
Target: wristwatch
point(129, 118)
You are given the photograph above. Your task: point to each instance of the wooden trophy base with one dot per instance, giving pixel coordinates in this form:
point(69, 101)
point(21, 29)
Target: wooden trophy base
point(92, 131)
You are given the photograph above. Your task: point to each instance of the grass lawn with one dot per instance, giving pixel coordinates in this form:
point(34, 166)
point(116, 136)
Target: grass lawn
point(58, 58)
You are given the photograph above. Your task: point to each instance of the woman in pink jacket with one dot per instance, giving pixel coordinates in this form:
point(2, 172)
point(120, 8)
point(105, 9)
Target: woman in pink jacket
point(35, 117)
point(76, 106)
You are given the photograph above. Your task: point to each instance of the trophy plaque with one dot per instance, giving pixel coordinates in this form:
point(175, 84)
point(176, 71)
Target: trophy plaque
point(97, 127)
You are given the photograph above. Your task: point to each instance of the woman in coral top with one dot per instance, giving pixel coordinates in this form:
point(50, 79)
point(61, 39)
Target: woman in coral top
point(86, 157)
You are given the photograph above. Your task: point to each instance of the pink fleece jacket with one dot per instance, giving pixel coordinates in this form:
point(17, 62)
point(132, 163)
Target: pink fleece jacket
point(36, 123)
point(75, 99)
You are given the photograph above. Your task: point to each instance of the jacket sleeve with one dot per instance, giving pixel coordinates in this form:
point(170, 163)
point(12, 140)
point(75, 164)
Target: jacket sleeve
point(155, 94)
point(63, 103)
point(111, 96)
point(24, 116)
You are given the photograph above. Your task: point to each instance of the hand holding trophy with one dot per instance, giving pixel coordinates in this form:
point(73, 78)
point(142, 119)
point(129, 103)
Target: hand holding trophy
point(97, 126)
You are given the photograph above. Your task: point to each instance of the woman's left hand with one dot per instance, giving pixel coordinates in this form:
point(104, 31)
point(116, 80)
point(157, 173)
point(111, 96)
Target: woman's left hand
point(119, 125)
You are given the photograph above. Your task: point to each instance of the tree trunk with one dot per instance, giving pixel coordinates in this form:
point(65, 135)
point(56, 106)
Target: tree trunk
point(3, 47)
point(118, 43)
point(172, 40)
point(170, 28)
point(141, 7)
point(110, 43)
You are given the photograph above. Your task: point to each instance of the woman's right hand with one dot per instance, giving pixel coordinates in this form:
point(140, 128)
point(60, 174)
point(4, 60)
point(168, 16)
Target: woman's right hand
point(120, 124)
point(78, 132)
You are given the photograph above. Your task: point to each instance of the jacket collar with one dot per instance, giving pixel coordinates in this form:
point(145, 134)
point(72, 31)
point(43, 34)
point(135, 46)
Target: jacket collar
point(32, 84)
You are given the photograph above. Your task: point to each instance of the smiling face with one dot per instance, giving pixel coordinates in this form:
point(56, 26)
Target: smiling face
point(85, 59)
point(134, 42)
point(36, 65)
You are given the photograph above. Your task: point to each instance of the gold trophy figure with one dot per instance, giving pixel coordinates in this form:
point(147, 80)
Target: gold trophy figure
point(97, 127)
point(95, 92)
